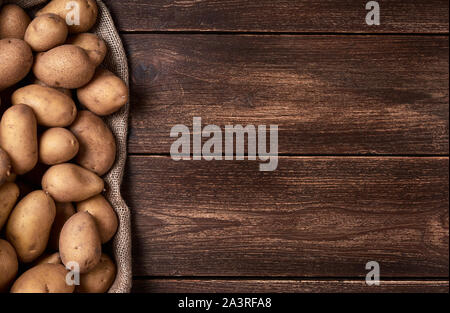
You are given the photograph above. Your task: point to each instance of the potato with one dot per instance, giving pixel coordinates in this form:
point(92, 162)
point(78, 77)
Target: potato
point(16, 61)
point(64, 210)
point(43, 278)
point(51, 107)
point(66, 66)
point(18, 137)
point(94, 46)
point(80, 242)
point(46, 32)
point(97, 144)
point(100, 278)
point(71, 183)
point(65, 91)
point(104, 94)
point(9, 193)
point(57, 145)
point(8, 265)
point(5, 166)
point(88, 13)
point(13, 22)
point(53, 258)
point(29, 225)
point(104, 215)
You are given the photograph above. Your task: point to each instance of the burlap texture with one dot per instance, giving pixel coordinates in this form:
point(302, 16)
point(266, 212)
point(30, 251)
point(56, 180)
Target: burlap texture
point(116, 62)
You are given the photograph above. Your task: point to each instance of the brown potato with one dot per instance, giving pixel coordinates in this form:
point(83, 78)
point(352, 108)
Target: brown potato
point(9, 193)
point(53, 258)
point(29, 225)
point(97, 144)
point(88, 13)
point(65, 91)
point(66, 66)
point(16, 61)
point(51, 107)
point(80, 242)
point(8, 265)
point(71, 183)
point(43, 278)
point(13, 22)
point(5, 166)
point(18, 137)
point(64, 210)
point(103, 213)
point(104, 94)
point(46, 32)
point(94, 46)
point(100, 278)
point(57, 145)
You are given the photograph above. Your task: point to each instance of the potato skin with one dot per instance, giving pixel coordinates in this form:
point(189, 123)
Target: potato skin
point(71, 183)
point(104, 94)
point(13, 22)
point(46, 32)
point(94, 46)
point(43, 278)
point(64, 210)
point(51, 107)
point(17, 60)
point(65, 91)
point(97, 144)
point(29, 225)
point(66, 66)
point(80, 242)
point(9, 193)
point(57, 145)
point(5, 166)
point(88, 13)
point(104, 215)
point(100, 278)
point(53, 258)
point(8, 265)
point(18, 137)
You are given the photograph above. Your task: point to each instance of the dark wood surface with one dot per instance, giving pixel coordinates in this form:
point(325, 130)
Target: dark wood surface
point(363, 119)
point(413, 16)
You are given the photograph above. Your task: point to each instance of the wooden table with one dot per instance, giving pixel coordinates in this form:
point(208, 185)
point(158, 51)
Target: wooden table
point(363, 124)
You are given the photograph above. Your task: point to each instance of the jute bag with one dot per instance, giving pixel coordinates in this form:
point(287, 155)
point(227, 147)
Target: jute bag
point(116, 62)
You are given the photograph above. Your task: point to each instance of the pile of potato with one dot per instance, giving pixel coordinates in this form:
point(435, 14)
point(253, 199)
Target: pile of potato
point(54, 150)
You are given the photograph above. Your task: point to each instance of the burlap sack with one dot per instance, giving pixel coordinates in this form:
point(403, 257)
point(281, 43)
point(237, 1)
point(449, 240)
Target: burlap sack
point(116, 62)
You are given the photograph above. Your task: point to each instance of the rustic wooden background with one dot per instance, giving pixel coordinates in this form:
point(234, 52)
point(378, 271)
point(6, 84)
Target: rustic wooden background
point(363, 132)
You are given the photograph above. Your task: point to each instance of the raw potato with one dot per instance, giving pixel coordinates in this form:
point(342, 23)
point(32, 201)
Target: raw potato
point(88, 13)
point(5, 166)
point(66, 66)
point(51, 107)
point(97, 144)
point(100, 278)
point(46, 32)
point(103, 213)
point(57, 145)
point(43, 278)
point(16, 61)
point(13, 22)
point(53, 258)
point(80, 242)
point(18, 137)
point(65, 91)
point(64, 210)
point(71, 183)
point(29, 225)
point(8, 265)
point(9, 193)
point(92, 44)
point(105, 94)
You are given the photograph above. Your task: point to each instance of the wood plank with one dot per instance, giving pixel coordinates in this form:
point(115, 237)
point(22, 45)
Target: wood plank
point(312, 217)
point(328, 94)
point(285, 286)
point(413, 16)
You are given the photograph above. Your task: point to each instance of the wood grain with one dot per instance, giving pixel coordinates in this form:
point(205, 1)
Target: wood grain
point(312, 217)
point(327, 94)
point(285, 286)
point(413, 16)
